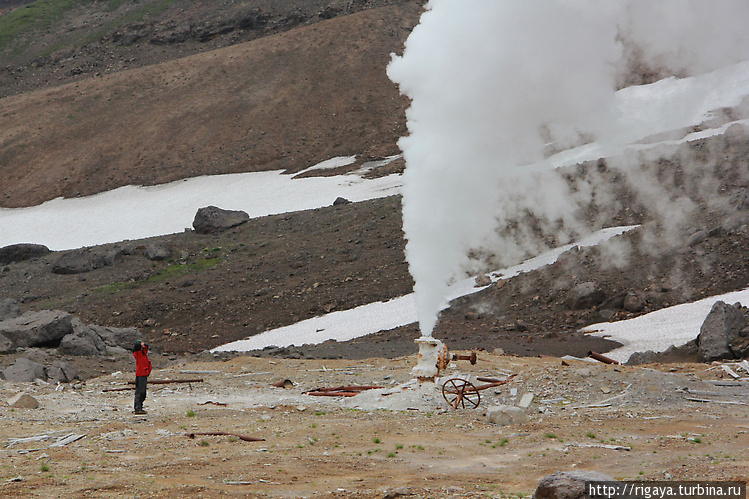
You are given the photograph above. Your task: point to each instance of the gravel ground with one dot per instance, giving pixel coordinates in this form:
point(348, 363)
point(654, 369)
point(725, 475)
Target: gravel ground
point(629, 422)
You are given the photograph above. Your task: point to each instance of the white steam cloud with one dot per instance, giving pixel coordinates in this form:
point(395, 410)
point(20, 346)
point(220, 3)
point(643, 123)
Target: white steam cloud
point(497, 85)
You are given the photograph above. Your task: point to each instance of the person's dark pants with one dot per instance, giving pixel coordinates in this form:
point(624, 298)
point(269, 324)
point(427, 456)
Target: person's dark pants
point(140, 391)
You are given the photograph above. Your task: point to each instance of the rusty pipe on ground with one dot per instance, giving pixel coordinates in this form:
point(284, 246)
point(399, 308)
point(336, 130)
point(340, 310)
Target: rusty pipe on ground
point(341, 391)
point(246, 438)
point(601, 358)
point(472, 358)
point(168, 381)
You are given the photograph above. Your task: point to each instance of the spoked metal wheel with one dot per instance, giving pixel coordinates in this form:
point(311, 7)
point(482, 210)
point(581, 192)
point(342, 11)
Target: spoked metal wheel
point(461, 393)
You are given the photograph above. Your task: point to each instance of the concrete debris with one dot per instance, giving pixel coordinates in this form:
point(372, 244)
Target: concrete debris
point(67, 439)
point(505, 415)
point(601, 446)
point(525, 400)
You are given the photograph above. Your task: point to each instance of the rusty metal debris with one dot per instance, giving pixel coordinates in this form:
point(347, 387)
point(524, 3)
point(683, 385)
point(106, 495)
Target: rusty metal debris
point(471, 358)
point(459, 392)
point(169, 381)
point(246, 438)
point(340, 391)
point(153, 382)
point(601, 358)
point(210, 402)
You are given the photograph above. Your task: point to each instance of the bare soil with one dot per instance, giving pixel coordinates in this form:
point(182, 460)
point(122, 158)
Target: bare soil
point(628, 422)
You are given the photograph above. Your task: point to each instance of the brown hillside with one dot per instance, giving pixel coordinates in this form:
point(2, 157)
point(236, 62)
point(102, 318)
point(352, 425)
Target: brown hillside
point(285, 101)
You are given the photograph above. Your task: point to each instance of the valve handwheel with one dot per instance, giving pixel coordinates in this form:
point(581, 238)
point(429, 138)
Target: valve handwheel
point(459, 392)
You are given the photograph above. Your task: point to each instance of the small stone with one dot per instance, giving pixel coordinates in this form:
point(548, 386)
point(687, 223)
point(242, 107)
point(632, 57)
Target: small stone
point(23, 400)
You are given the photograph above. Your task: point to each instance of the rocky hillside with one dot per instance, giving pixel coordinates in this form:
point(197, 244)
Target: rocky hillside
point(283, 85)
point(296, 83)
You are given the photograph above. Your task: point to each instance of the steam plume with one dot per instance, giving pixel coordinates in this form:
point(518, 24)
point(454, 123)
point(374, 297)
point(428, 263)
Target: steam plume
point(497, 85)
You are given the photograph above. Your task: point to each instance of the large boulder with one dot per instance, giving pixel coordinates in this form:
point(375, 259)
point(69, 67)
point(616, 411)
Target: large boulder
point(568, 484)
point(21, 252)
point(46, 328)
point(78, 261)
point(25, 370)
point(721, 327)
point(83, 340)
point(211, 220)
point(62, 372)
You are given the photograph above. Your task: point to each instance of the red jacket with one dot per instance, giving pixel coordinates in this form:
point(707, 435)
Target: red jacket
point(142, 362)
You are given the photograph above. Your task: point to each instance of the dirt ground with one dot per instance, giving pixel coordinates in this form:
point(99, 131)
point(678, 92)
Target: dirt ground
point(628, 422)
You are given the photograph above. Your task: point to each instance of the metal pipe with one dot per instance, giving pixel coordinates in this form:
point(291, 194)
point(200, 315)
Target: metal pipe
point(472, 358)
point(168, 381)
point(601, 358)
point(221, 433)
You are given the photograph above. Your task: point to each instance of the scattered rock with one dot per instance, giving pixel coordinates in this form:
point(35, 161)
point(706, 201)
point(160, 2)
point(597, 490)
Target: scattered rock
point(115, 256)
point(157, 252)
point(697, 238)
point(398, 492)
point(211, 220)
point(633, 303)
point(585, 295)
point(329, 12)
point(21, 252)
point(483, 280)
point(78, 261)
point(568, 484)
point(340, 201)
point(504, 415)
point(637, 358)
point(25, 371)
point(23, 401)
point(722, 325)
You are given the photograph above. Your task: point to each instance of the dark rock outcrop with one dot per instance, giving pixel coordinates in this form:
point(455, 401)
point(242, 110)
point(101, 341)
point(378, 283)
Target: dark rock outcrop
point(721, 327)
point(21, 252)
point(211, 219)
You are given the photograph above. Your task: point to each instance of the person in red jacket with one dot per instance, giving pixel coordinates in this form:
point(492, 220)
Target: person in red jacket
point(142, 370)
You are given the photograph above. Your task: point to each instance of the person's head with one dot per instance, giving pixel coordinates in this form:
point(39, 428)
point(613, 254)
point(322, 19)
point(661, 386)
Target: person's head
point(137, 346)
